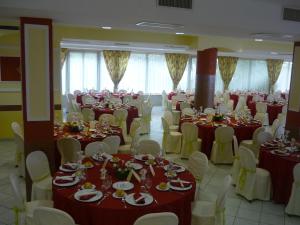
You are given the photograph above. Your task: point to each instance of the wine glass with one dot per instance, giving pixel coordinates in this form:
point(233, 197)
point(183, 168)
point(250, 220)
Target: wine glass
point(106, 183)
point(148, 183)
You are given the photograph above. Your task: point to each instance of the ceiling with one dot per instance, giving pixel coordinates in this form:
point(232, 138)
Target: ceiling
point(233, 18)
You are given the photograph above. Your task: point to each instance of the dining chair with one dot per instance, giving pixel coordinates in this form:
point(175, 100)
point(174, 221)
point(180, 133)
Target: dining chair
point(171, 141)
point(261, 113)
point(131, 147)
point(236, 166)
point(252, 183)
point(273, 128)
point(210, 209)
point(145, 119)
point(51, 216)
point(168, 116)
point(209, 111)
point(135, 124)
point(187, 112)
point(24, 210)
point(120, 120)
point(241, 103)
point(164, 218)
point(88, 100)
point(190, 141)
point(151, 147)
point(252, 144)
point(221, 152)
point(74, 116)
point(107, 118)
point(113, 142)
point(68, 149)
point(293, 206)
point(39, 171)
point(184, 105)
point(97, 147)
point(88, 114)
point(19, 141)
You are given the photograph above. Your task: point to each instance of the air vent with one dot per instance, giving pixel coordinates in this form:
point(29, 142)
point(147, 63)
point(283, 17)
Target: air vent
point(291, 14)
point(185, 4)
point(3, 27)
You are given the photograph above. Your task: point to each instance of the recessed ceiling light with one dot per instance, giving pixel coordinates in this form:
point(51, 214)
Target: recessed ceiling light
point(179, 33)
point(274, 53)
point(258, 39)
point(106, 28)
point(287, 36)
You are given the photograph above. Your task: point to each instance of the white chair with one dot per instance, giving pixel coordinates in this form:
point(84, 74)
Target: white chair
point(51, 216)
point(187, 112)
point(88, 100)
point(235, 170)
point(120, 120)
point(263, 137)
point(169, 118)
point(74, 117)
point(210, 111)
point(88, 114)
point(38, 169)
point(75, 106)
point(115, 100)
point(252, 144)
point(190, 141)
point(211, 211)
point(241, 103)
point(273, 129)
point(221, 152)
point(68, 149)
point(77, 92)
point(19, 141)
point(171, 142)
point(164, 218)
point(252, 183)
point(184, 105)
point(113, 142)
point(107, 118)
point(127, 99)
point(97, 147)
point(164, 99)
point(133, 127)
point(146, 119)
point(131, 147)
point(293, 206)
point(148, 147)
point(270, 98)
point(24, 210)
point(261, 113)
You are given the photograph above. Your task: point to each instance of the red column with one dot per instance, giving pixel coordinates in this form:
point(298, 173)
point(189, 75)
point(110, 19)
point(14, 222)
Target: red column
point(205, 78)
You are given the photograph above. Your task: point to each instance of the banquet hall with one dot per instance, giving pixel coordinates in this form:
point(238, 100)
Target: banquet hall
point(150, 112)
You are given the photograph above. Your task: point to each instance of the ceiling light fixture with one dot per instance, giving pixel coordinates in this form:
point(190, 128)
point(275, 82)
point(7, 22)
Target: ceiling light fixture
point(106, 28)
point(274, 53)
point(179, 33)
point(258, 39)
point(159, 25)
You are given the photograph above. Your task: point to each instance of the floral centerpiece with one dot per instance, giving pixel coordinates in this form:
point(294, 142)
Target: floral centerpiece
point(74, 126)
point(218, 117)
point(121, 170)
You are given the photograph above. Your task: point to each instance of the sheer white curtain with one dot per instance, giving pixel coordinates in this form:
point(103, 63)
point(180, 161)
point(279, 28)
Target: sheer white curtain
point(284, 79)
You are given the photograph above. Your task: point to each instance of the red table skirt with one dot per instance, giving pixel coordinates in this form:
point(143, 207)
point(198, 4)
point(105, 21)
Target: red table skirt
point(281, 170)
point(272, 109)
point(112, 212)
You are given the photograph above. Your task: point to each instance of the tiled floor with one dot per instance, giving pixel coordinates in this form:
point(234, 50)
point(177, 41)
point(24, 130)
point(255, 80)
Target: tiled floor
point(238, 210)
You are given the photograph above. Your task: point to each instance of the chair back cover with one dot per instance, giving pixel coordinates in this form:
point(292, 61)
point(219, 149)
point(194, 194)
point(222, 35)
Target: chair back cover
point(164, 218)
point(235, 146)
point(241, 103)
point(224, 134)
point(107, 118)
point(187, 111)
point(247, 158)
point(209, 111)
point(165, 125)
point(148, 147)
point(15, 184)
point(68, 149)
point(17, 129)
point(263, 137)
point(88, 114)
point(74, 116)
point(113, 142)
point(133, 127)
point(168, 116)
point(184, 105)
point(189, 131)
point(136, 138)
point(120, 116)
point(88, 100)
point(261, 107)
point(275, 126)
point(51, 216)
point(97, 147)
point(198, 165)
point(37, 165)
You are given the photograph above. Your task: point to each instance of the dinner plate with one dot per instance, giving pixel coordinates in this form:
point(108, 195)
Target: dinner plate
point(135, 166)
point(173, 175)
point(69, 184)
point(181, 188)
point(176, 168)
point(130, 199)
point(76, 167)
point(98, 157)
point(276, 152)
point(116, 196)
point(123, 185)
point(140, 157)
point(91, 188)
point(86, 192)
point(159, 189)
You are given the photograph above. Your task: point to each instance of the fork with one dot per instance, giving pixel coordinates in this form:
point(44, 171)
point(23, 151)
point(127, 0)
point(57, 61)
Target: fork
point(105, 196)
point(124, 202)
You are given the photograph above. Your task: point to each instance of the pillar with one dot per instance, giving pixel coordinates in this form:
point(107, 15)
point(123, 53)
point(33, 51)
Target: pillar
point(205, 78)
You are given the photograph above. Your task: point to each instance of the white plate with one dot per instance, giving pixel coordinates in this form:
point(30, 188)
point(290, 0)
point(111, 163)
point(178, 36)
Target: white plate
point(69, 170)
point(280, 153)
point(130, 200)
point(98, 157)
point(159, 189)
point(167, 175)
point(115, 195)
point(88, 167)
point(75, 181)
point(178, 170)
point(180, 188)
point(135, 166)
point(87, 191)
point(92, 188)
point(140, 157)
point(123, 185)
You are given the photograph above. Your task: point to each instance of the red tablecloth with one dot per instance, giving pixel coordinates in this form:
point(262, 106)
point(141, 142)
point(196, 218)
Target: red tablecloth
point(98, 97)
point(281, 170)
point(207, 132)
point(112, 211)
point(272, 109)
point(132, 113)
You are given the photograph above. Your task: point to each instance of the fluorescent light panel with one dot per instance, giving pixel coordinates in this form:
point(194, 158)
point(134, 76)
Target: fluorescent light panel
point(159, 25)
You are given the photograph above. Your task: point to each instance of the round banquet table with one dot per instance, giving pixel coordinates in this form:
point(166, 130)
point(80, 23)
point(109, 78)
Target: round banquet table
point(132, 113)
point(112, 211)
point(84, 139)
point(272, 109)
point(206, 131)
point(98, 97)
point(281, 170)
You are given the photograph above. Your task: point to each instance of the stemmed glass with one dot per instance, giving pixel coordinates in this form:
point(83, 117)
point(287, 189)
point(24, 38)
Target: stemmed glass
point(106, 183)
point(148, 183)
point(160, 160)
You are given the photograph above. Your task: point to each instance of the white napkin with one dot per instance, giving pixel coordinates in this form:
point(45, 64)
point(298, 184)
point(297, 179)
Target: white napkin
point(152, 170)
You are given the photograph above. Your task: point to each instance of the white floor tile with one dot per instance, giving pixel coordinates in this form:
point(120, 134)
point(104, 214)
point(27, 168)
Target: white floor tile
point(248, 215)
point(272, 208)
point(239, 221)
point(271, 219)
point(292, 220)
point(253, 206)
point(229, 220)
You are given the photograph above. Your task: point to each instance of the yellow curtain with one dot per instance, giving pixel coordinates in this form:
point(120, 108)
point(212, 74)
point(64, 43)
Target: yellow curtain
point(176, 65)
point(227, 66)
point(116, 63)
point(274, 69)
point(63, 55)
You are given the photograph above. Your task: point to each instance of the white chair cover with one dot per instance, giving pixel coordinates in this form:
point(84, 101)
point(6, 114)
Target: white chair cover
point(241, 103)
point(51, 216)
point(222, 146)
point(252, 144)
point(263, 118)
point(146, 119)
point(188, 112)
point(164, 218)
point(97, 147)
point(135, 133)
point(74, 117)
point(170, 120)
point(19, 141)
point(190, 141)
point(293, 206)
point(68, 149)
point(209, 111)
point(113, 142)
point(235, 170)
point(273, 129)
point(77, 92)
point(88, 100)
point(148, 147)
point(39, 171)
point(253, 183)
point(120, 120)
point(88, 114)
point(107, 118)
point(261, 107)
point(171, 141)
point(184, 105)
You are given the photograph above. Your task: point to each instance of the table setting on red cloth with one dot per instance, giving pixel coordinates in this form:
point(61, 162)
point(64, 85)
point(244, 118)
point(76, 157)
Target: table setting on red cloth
point(114, 211)
point(243, 130)
point(280, 163)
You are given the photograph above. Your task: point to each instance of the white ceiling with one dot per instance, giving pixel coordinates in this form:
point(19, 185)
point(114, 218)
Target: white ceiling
point(234, 18)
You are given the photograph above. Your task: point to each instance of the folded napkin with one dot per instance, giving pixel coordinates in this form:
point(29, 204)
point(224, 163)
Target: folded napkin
point(70, 166)
point(64, 180)
point(138, 198)
point(145, 157)
point(87, 196)
point(152, 170)
point(180, 183)
point(176, 167)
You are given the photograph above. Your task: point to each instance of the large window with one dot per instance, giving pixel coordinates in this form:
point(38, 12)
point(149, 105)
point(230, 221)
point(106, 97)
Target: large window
point(145, 72)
